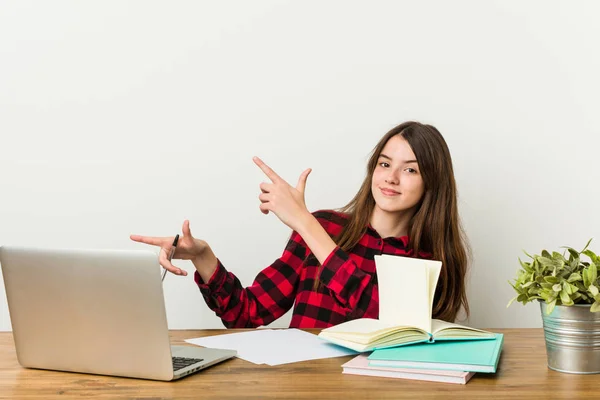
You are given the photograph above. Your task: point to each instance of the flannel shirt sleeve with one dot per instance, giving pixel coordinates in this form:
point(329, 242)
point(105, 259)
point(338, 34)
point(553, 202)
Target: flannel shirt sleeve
point(345, 281)
point(340, 275)
point(270, 296)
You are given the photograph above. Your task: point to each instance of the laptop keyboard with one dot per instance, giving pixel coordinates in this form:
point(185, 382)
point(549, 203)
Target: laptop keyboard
point(182, 362)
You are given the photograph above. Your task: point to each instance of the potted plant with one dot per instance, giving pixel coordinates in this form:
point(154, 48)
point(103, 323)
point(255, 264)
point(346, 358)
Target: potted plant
point(568, 292)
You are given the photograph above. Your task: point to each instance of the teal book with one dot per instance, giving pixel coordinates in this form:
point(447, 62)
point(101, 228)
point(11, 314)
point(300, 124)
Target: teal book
point(462, 355)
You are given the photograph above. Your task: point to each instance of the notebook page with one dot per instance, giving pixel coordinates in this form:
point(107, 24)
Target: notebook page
point(404, 298)
point(457, 330)
point(434, 268)
point(359, 326)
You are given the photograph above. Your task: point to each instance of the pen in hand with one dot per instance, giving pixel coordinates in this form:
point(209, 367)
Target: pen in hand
point(171, 253)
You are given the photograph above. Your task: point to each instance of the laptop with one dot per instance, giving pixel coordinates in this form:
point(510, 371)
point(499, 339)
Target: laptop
point(95, 311)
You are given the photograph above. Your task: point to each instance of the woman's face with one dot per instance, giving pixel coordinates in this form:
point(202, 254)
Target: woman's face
point(397, 184)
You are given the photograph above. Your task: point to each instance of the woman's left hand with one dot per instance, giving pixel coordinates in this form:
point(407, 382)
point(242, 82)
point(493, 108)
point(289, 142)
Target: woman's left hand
point(285, 201)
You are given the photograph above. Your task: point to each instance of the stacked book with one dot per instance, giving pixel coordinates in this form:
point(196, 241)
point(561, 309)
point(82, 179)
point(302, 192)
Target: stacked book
point(405, 342)
point(443, 361)
point(360, 366)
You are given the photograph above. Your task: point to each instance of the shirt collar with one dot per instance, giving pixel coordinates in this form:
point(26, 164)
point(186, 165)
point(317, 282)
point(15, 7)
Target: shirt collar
point(391, 239)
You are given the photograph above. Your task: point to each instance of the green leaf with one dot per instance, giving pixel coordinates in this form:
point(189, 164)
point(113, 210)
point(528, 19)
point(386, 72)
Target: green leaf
point(550, 307)
point(528, 255)
point(574, 253)
point(526, 266)
point(586, 277)
point(591, 255)
point(593, 290)
point(533, 291)
point(593, 273)
point(586, 245)
point(574, 263)
point(545, 254)
point(557, 287)
point(574, 277)
point(595, 307)
point(567, 287)
point(536, 266)
point(546, 262)
point(574, 289)
point(584, 297)
point(565, 299)
point(551, 279)
point(511, 301)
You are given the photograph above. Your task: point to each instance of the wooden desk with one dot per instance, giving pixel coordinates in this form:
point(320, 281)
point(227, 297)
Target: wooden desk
point(522, 374)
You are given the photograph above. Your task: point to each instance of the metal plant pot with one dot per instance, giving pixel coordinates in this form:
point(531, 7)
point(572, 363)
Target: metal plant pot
point(572, 338)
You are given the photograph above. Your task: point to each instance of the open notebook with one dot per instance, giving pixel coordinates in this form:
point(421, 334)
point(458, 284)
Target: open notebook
point(406, 291)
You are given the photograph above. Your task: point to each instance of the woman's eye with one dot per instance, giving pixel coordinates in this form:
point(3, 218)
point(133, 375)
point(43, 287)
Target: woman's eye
point(411, 170)
point(384, 164)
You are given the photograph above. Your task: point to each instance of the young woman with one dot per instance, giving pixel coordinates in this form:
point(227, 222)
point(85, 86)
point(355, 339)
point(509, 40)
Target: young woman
point(406, 206)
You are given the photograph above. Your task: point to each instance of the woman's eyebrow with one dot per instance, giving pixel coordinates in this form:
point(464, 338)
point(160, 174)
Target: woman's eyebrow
point(404, 162)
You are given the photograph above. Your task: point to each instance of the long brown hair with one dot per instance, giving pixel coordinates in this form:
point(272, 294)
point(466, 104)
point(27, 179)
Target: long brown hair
point(435, 227)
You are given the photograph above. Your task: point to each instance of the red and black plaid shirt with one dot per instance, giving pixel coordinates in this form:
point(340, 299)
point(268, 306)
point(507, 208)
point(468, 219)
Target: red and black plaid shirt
point(348, 288)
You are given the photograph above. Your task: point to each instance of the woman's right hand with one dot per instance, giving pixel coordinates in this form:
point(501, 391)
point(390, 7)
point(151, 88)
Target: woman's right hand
point(188, 248)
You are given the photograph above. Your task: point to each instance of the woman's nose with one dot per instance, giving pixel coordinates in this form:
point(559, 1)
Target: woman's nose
point(392, 179)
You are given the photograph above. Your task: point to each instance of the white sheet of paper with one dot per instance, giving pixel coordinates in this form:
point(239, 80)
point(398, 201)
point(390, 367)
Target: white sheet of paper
point(274, 346)
point(243, 342)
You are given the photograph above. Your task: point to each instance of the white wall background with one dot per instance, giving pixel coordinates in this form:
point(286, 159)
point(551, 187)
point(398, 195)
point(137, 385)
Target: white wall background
point(120, 117)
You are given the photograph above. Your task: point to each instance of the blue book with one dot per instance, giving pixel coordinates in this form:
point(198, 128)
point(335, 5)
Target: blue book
point(463, 355)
